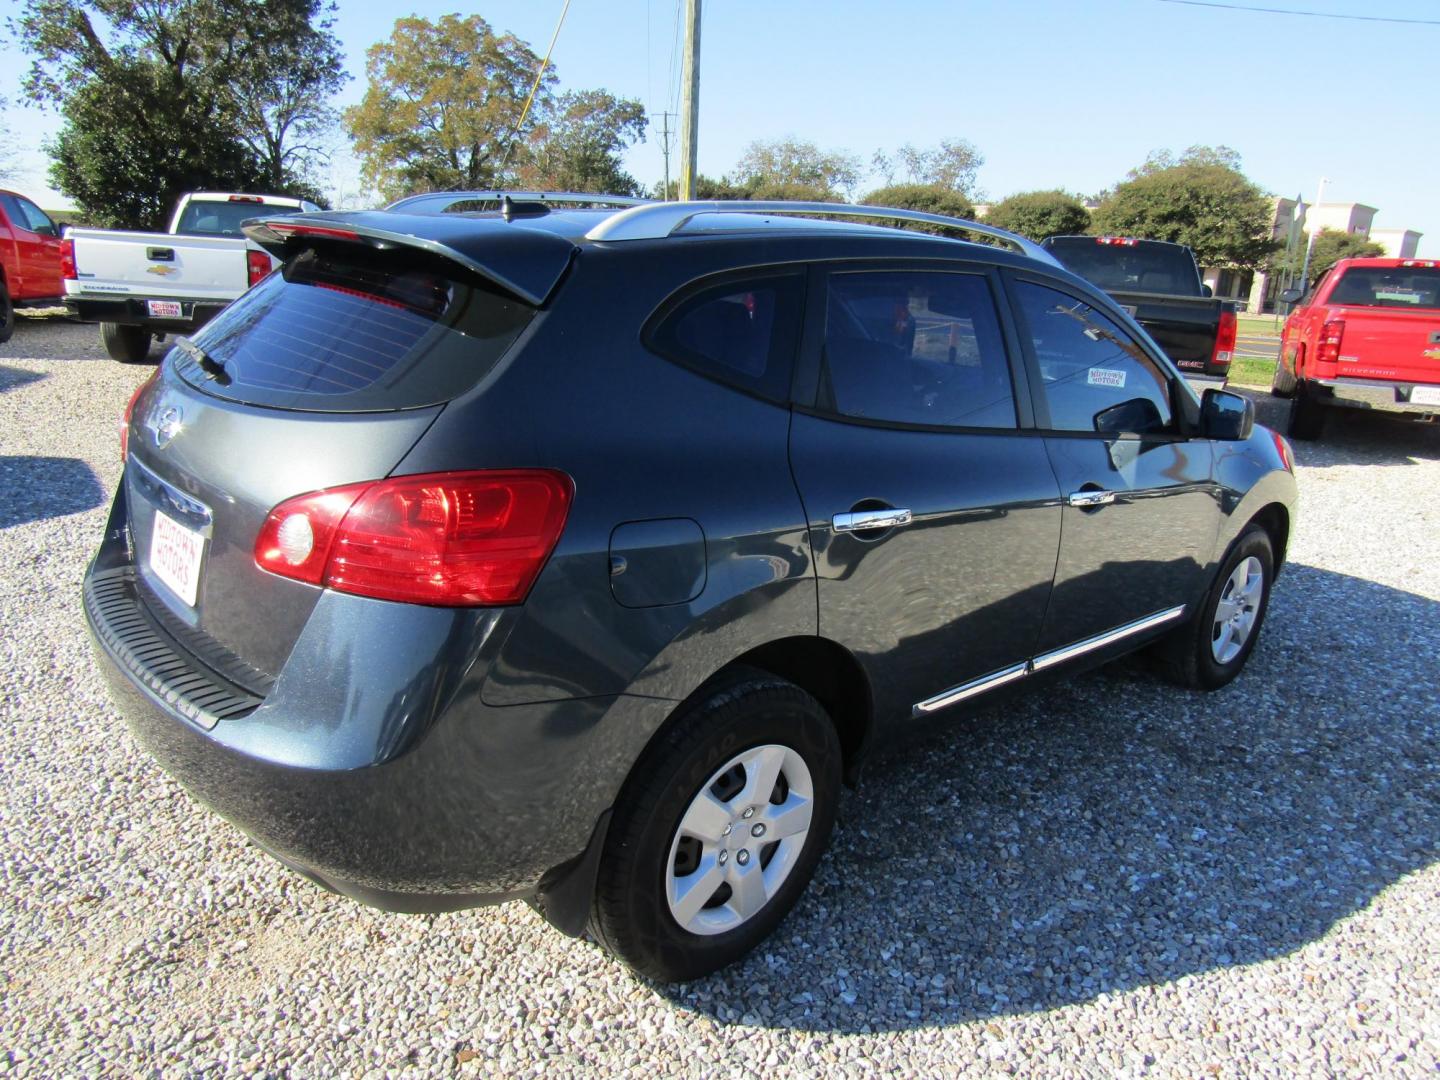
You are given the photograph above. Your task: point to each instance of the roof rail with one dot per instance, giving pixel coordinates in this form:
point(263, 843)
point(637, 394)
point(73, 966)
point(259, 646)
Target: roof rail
point(656, 220)
point(437, 202)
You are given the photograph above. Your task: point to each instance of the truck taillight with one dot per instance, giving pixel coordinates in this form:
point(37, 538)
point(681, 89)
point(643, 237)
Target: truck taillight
point(129, 414)
point(456, 539)
point(257, 263)
point(67, 259)
point(1328, 351)
point(1225, 339)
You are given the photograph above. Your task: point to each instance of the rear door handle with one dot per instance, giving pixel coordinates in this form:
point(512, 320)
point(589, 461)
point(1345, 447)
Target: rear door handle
point(862, 520)
point(1091, 498)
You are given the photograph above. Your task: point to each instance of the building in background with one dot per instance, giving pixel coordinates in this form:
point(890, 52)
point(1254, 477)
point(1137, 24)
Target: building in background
point(1399, 243)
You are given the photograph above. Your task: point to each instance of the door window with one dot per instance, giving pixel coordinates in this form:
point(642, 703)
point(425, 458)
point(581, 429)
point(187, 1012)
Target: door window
point(1095, 376)
point(35, 219)
point(916, 347)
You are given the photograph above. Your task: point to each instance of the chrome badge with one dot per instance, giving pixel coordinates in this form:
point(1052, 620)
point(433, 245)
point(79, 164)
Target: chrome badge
point(165, 424)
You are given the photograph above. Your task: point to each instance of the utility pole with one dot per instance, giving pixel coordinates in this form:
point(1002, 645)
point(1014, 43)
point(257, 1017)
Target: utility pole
point(1310, 247)
point(690, 100)
point(665, 146)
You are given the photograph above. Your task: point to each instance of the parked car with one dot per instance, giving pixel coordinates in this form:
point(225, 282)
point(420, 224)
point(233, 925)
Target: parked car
point(143, 286)
point(1367, 336)
point(29, 259)
point(578, 556)
point(1159, 284)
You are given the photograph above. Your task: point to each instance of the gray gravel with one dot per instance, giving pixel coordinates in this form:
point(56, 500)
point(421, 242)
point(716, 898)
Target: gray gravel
point(1111, 878)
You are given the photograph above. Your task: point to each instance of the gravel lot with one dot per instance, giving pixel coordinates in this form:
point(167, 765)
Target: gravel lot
point(1111, 878)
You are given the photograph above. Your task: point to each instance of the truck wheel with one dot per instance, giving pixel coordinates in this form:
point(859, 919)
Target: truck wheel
point(1283, 384)
point(128, 344)
point(1211, 647)
point(1307, 415)
point(7, 314)
point(719, 829)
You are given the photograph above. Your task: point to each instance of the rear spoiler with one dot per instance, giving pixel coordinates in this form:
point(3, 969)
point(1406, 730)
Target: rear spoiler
point(527, 263)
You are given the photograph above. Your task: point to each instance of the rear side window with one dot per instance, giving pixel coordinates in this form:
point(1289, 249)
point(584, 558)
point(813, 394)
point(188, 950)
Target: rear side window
point(741, 332)
point(1383, 286)
point(345, 329)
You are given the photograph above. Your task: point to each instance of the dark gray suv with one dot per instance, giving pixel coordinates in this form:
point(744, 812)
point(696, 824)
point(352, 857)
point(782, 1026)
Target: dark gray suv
point(578, 555)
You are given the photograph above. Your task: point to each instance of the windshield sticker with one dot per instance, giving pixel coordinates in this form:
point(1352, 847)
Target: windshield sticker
point(1105, 377)
point(1403, 296)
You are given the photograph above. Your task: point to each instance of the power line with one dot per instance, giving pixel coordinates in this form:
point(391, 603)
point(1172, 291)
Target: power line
point(1305, 14)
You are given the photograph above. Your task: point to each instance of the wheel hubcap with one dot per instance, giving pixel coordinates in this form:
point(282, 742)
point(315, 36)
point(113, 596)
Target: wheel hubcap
point(1236, 611)
point(739, 839)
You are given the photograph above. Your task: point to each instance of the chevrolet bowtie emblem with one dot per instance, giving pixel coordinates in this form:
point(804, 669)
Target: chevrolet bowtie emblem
point(1431, 354)
point(162, 270)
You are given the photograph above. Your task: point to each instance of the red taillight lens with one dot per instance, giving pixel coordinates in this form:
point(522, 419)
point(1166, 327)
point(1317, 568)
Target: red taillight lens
point(129, 413)
point(257, 263)
point(1116, 241)
point(67, 259)
point(451, 539)
point(1225, 339)
point(1331, 335)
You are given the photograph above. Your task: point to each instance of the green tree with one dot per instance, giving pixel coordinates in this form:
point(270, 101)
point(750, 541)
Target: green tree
point(795, 169)
point(8, 168)
point(927, 198)
point(706, 187)
point(953, 165)
point(1332, 245)
point(1160, 160)
point(577, 145)
point(443, 108)
point(1211, 208)
point(1038, 214)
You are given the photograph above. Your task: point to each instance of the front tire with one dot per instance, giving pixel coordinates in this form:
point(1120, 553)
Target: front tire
point(719, 829)
point(1211, 648)
point(7, 314)
point(128, 344)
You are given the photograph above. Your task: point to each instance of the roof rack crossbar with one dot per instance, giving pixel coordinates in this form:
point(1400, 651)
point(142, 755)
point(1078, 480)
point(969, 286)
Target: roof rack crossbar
point(657, 220)
point(437, 202)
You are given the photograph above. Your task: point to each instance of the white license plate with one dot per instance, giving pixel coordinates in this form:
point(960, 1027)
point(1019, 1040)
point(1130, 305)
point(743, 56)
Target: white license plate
point(1425, 395)
point(164, 309)
point(175, 554)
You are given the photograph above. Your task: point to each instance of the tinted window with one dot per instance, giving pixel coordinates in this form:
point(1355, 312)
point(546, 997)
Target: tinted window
point(1095, 376)
point(224, 218)
point(742, 333)
point(1118, 264)
point(345, 329)
point(1383, 286)
point(916, 347)
point(35, 218)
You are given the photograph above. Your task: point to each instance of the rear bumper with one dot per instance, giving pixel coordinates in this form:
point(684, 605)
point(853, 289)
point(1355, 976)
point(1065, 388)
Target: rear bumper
point(372, 766)
point(131, 311)
point(1376, 394)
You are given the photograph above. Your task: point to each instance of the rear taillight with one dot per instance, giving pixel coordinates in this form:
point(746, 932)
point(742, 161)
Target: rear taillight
point(1116, 241)
point(458, 539)
point(67, 259)
point(257, 263)
point(1225, 339)
point(1331, 335)
point(129, 413)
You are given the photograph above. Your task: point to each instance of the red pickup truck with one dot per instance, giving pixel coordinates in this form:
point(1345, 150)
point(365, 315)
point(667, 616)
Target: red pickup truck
point(1367, 336)
point(29, 259)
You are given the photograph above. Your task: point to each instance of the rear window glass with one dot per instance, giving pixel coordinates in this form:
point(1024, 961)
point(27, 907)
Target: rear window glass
point(223, 218)
point(1143, 267)
point(1382, 286)
point(349, 330)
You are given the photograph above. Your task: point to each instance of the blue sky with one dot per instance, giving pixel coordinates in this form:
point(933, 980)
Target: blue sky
point(1054, 93)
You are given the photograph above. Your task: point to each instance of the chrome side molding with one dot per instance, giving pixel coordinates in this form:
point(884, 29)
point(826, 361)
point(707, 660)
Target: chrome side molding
point(1005, 676)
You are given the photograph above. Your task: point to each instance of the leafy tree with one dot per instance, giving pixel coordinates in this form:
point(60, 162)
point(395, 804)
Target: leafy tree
point(793, 168)
point(927, 198)
point(9, 170)
point(1332, 245)
point(706, 187)
point(1211, 208)
point(954, 165)
point(1038, 214)
point(1159, 160)
point(577, 146)
point(443, 108)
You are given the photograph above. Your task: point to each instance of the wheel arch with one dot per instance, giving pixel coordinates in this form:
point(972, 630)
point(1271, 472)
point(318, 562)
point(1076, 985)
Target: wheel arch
point(1275, 520)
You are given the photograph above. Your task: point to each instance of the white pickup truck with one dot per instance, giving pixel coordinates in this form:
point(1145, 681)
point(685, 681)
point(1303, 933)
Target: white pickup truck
point(142, 286)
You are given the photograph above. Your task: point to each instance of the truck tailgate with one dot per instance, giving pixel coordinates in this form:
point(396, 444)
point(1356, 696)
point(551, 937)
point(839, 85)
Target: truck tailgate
point(158, 264)
point(1388, 343)
point(1185, 327)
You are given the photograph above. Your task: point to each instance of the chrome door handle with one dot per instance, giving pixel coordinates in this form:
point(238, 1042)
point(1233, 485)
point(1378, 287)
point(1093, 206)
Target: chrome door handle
point(1091, 498)
point(861, 520)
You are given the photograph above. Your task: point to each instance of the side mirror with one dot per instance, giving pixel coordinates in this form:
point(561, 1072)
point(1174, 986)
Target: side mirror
point(1226, 416)
point(1290, 296)
point(1134, 417)
point(1206, 291)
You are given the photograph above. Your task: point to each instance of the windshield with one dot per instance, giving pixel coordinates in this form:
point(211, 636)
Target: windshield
point(1384, 286)
point(206, 218)
point(1142, 266)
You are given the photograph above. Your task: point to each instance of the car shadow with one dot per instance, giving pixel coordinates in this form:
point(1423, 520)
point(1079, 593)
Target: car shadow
point(1352, 436)
point(1113, 832)
point(12, 378)
point(38, 488)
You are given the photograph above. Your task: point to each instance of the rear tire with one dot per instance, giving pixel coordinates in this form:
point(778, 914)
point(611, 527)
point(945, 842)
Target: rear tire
point(1283, 384)
point(7, 314)
point(691, 880)
point(128, 344)
point(1307, 415)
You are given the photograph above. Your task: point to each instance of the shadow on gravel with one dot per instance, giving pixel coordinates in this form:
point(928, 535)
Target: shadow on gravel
point(14, 378)
point(1352, 436)
point(37, 488)
point(1115, 832)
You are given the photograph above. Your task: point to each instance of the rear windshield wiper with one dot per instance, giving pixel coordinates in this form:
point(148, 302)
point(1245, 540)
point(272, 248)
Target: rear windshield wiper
point(208, 364)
